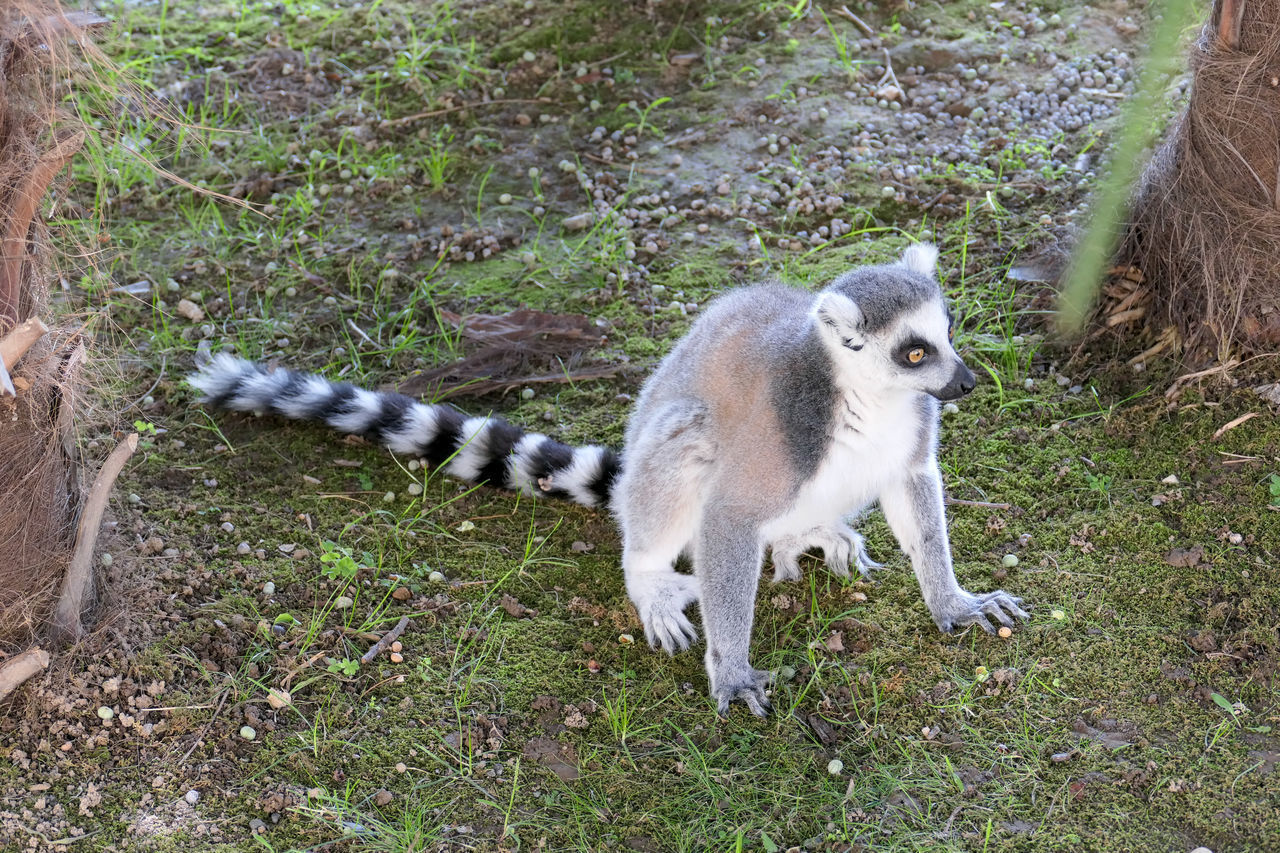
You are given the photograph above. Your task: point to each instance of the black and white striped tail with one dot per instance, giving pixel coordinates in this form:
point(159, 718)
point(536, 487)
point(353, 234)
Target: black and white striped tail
point(475, 449)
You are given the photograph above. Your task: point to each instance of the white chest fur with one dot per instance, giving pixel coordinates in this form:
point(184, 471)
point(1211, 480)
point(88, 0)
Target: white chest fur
point(872, 445)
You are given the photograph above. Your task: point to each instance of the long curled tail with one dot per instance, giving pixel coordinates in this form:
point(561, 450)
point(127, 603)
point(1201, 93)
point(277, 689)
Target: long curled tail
point(475, 449)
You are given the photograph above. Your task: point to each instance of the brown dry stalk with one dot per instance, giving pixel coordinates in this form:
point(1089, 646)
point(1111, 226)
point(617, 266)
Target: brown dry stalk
point(66, 619)
point(13, 248)
point(17, 670)
point(1226, 428)
point(15, 344)
point(1229, 24)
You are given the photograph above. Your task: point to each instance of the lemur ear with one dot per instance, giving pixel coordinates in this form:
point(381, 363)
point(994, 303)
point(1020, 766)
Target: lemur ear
point(921, 258)
point(838, 314)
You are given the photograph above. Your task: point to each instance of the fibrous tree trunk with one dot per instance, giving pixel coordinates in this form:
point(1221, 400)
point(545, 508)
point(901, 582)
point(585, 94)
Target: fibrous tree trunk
point(1205, 227)
point(40, 493)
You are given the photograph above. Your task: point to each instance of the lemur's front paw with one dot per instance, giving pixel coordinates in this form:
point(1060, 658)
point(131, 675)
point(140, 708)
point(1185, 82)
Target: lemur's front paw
point(744, 685)
point(661, 605)
point(964, 609)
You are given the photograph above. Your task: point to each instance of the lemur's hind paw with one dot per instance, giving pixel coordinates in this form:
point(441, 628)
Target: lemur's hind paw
point(747, 686)
point(864, 564)
point(841, 546)
point(966, 609)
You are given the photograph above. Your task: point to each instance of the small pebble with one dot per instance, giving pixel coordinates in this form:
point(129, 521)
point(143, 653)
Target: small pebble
point(950, 409)
point(278, 698)
point(414, 489)
point(105, 713)
point(382, 798)
point(436, 577)
point(396, 657)
point(1009, 560)
point(106, 560)
point(397, 647)
point(1005, 632)
point(389, 497)
point(1057, 614)
point(189, 310)
point(248, 732)
point(243, 548)
point(269, 588)
point(192, 796)
point(835, 767)
point(401, 593)
point(342, 602)
point(401, 767)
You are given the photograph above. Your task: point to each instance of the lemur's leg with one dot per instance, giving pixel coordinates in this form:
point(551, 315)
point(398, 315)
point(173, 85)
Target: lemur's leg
point(657, 503)
point(727, 558)
point(913, 508)
point(840, 545)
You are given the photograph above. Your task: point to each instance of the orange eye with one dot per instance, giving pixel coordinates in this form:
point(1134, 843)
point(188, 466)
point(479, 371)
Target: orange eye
point(951, 333)
point(916, 355)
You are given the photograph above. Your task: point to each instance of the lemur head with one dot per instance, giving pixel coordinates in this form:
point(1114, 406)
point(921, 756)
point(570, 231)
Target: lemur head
point(888, 327)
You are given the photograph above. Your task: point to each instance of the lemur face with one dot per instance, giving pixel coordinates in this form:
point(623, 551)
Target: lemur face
point(919, 354)
point(889, 327)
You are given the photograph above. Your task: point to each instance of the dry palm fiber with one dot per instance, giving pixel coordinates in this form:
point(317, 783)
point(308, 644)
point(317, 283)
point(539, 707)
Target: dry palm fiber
point(39, 492)
point(1205, 229)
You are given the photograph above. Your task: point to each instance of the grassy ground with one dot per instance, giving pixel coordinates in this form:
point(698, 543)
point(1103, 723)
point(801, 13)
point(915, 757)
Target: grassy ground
point(406, 160)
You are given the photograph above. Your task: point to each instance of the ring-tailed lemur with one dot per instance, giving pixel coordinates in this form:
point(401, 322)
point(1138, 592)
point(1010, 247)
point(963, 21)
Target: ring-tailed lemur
point(778, 416)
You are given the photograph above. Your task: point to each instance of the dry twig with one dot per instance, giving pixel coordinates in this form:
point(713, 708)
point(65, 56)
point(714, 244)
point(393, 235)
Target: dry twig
point(844, 12)
point(1225, 428)
point(982, 504)
point(387, 639)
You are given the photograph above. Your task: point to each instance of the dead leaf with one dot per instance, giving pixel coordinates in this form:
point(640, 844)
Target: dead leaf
point(513, 607)
point(822, 730)
point(525, 325)
point(560, 758)
point(1185, 558)
point(835, 643)
point(518, 348)
point(1270, 393)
